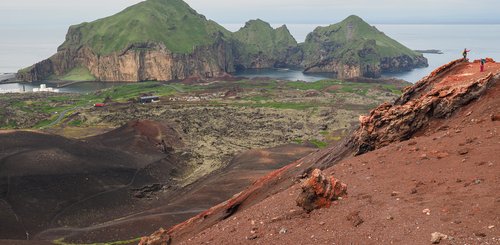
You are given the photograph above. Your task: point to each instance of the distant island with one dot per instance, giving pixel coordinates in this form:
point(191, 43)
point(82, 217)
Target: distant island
point(168, 40)
point(429, 51)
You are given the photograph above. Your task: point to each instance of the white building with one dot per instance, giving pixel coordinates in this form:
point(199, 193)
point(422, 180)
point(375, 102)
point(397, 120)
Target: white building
point(44, 88)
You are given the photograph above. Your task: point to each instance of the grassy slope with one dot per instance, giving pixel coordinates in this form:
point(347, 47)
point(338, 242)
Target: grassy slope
point(258, 36)
point(46, 108)
point(76, 74)
point(171, 22)
point(351, 35)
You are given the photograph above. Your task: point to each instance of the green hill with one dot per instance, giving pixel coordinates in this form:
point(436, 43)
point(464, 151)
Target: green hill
point(171, 22)
point(353, 42)
point(259, 45)
point(168, 40)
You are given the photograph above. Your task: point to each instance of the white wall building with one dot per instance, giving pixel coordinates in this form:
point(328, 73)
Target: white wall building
point(44, 88)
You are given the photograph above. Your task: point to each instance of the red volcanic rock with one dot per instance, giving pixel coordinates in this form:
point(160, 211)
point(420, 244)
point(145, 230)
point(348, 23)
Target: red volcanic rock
point(435, 96)
point(422, 106)
point(320, 191)
point(160, 237)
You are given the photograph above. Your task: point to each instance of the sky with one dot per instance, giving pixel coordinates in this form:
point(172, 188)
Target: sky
point(15, 13)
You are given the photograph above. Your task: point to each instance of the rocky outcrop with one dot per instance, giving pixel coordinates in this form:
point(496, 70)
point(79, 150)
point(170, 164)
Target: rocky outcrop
point(138, 62)
point(433, 97)
point(160, 237)
point(401, 63)
point(258, 46)
point(352, 48)
point(319, 191)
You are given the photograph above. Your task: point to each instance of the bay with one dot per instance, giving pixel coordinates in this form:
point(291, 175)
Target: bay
point(21, 47)
point(482, 40)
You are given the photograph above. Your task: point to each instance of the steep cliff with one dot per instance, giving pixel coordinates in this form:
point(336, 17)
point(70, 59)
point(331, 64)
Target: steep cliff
point(167, 39)
point(353, 48)
point(258, 45)
point(152, 40)
point(436, 96)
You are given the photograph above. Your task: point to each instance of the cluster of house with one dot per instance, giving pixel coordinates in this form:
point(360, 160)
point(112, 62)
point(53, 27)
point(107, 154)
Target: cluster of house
point(44, 88)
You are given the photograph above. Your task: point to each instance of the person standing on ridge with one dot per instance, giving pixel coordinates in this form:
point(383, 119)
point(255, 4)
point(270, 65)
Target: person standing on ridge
point(483, 61)
point(465, 53)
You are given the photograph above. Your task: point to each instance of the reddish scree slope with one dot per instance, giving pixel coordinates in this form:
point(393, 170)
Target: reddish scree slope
point(450, 166)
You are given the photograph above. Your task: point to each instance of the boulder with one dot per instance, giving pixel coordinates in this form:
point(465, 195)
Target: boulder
point(320, 191)
point(160, 237)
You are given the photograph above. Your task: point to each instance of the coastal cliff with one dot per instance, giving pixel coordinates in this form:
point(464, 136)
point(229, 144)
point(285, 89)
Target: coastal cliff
point(353, 48)
point(168, 40)
point(190, 46)
point(258, 45)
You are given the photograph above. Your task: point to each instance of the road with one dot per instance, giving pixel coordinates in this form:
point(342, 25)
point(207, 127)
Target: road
point(61, 116)
point(175, 88)
point(63, 113)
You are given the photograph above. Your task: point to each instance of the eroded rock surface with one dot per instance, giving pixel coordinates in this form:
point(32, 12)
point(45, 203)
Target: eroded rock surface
point(319, 191)
point(433, 97)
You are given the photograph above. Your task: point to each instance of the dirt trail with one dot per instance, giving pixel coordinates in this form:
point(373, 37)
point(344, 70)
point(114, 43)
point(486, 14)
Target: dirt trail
point(468, 72)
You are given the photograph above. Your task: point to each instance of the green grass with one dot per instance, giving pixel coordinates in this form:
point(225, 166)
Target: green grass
point(344, 87)
point(171, 22)
point(76, 74)
point(258, 98)
point(44, 123)
point(269, 85)
point(263, 99)
point(318, 85)
point(349, 37)
point(280, 105)
point(63, 98)
point(62, 242)
point(12, 124)
point(392, 88)
point(132, 91)
point(324, 132)
point(75, 123)
point(318, 143)
point(258, 38)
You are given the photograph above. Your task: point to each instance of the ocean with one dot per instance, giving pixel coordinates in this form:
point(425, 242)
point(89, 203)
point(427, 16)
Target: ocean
point(482, 40)
point(22, 47)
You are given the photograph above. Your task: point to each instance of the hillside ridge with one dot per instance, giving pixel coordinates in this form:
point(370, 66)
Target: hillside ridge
point(168, 40)
point(432, 101)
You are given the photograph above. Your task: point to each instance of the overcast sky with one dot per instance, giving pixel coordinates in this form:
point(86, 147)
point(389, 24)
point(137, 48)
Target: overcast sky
point(65, 12)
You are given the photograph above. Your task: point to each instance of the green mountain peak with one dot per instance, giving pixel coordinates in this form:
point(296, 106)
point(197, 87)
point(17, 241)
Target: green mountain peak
point(258, 40)
point(353, 18)
point(170, 22)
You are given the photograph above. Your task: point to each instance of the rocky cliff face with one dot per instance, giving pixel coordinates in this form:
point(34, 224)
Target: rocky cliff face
point(352, 48)
point(258, 45)
point(128, 46)
point(432, 97)
point(138, 62)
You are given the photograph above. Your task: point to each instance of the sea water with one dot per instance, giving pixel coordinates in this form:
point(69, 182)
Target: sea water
point(482, 40)
point(21, 47)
